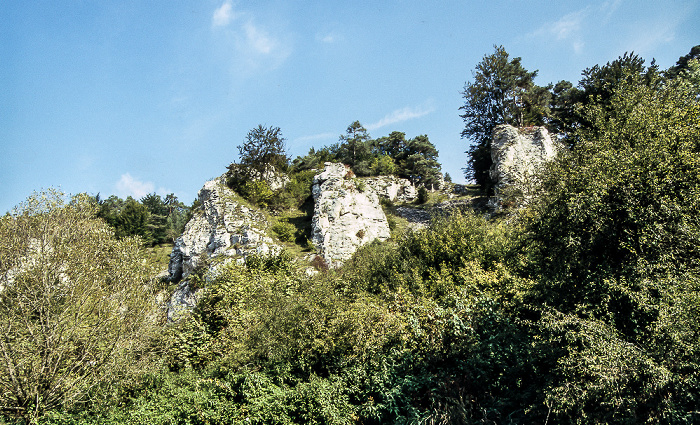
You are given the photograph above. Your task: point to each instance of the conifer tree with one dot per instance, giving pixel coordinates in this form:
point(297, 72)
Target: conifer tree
point(502, 92)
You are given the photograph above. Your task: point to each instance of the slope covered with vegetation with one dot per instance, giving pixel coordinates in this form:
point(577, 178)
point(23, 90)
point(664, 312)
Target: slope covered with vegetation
point(582, 308)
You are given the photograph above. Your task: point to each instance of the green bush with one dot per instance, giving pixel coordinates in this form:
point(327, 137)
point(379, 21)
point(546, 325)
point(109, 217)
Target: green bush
point(423, 195)
point(257, 192)
point(296, 193)
point(285, 231)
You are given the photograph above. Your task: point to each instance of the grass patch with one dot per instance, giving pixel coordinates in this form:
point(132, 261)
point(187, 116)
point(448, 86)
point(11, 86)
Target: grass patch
point(159, 255)
point(293, 228)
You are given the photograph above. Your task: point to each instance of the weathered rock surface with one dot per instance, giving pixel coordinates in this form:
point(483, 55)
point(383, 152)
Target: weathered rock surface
point(347, 214)
point(224, 226)
point(274, 179)
point(392, 188)
point(518, 157)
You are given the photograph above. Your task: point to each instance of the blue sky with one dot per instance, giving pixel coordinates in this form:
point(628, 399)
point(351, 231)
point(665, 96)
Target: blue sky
point(132, 97)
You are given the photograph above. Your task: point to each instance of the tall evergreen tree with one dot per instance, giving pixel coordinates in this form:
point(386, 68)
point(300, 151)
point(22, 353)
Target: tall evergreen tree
point(355, 148)
point(420, 164)
point(133, 221)
point(502, 92)
point(157, 218)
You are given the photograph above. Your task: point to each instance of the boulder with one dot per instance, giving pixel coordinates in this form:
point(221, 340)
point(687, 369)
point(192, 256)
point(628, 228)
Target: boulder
point(347, 214)
point(518, 155)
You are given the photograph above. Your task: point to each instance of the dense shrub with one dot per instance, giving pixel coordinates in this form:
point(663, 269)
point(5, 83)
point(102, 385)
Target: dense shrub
point(285, 231)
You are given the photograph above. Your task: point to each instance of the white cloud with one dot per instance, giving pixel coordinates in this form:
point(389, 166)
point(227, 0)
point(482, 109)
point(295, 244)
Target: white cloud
point(259, 40)
point(401, 115)
point(250, 46)
point(223, 15)
point(129, 186)
point(568, 26)
point(312, 137)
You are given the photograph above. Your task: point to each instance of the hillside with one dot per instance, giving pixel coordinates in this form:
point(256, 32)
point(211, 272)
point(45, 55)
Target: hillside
point(572, 297)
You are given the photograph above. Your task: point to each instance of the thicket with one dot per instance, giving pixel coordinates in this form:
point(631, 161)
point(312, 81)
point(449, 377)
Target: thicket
point(155, 220)
point(503, 92)
point(263, 160)
point(414, 159)
point(582, 308)
point(76, 305)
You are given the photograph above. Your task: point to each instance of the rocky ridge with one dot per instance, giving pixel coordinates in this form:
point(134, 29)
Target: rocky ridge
point(392, 188)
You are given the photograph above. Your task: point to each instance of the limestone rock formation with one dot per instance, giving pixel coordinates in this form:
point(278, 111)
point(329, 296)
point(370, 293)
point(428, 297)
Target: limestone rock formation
point(347, 214)
point(224, 226)
point(392, 188)
point(274, 178)
point(518, 157)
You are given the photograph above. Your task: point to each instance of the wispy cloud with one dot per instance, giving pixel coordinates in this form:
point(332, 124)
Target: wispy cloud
point(223, 15)
point(401, 115)
point(251, 45)
point(568, 28)
point(319, 136)
point(129, 186)
point(327, 37)
point(259, 40)
point(646, 39)
point(609, 8)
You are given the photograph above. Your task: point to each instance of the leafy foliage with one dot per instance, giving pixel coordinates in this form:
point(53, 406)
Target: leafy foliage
point(354, 148)
point(613, 242)
point(74, 305)
point(414, 159)
point(264, 147)
point(154, 219)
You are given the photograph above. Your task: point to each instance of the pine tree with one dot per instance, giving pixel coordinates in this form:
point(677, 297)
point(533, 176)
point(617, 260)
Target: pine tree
point(502, 92)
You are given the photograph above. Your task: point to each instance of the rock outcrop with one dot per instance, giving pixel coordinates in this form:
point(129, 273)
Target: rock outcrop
point(392, 188)
point(518, 157)
point(275, 179)
point(223, 226)
point(347, 214)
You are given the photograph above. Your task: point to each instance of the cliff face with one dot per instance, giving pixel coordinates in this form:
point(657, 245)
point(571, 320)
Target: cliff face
point(224, 227)
point(347, 214)
point(518, 157)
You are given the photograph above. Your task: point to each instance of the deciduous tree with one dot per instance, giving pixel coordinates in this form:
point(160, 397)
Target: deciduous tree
point(264, 147)
point(74, 304)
